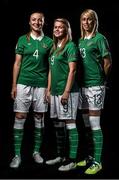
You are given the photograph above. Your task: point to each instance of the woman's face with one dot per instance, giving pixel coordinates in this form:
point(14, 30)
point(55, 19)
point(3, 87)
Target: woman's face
point(59, 30)
point(87, 23)
point(36, 22)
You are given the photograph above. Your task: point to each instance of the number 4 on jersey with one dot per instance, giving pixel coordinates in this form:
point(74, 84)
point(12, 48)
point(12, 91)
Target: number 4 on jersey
point(35, 54)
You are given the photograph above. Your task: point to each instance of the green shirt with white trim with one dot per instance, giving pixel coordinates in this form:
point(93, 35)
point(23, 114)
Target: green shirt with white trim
point(34, 65)
point(59, 65)
point(93, 51)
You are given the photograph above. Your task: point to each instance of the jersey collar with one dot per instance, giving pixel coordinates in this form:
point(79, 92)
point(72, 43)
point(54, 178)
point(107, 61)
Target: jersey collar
point(37, 38)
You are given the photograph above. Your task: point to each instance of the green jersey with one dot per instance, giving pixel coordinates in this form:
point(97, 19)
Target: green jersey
point(34, 65)
point(93, 51)
point(59, 65)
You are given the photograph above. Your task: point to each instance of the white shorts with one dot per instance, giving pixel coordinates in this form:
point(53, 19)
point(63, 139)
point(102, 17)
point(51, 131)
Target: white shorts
point(92, 98)
point(27, 96)
point(69, 111)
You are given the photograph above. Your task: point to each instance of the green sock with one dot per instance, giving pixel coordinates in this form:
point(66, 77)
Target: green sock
point(98, 143)
point(18, 136)
point(73, 142)
point(37, 139)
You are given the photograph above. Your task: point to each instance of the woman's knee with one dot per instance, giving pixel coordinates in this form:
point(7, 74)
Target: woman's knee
point(21, 115)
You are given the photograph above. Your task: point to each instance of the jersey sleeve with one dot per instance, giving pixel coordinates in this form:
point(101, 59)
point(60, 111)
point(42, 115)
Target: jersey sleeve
point(104, 47)
point(72, 52)
point(19, 46)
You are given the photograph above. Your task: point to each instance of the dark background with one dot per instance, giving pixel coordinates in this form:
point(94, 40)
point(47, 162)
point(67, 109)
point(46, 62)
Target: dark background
point(14, 18)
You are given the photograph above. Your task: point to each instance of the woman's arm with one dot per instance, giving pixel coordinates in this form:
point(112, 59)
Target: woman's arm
point(48, 87)
point(70, 80)
point(107, 65)
point(16, 69)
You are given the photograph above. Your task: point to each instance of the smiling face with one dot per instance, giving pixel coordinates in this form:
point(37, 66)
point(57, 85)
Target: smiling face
point(36, 22)
point(59, 30)
point(87, 22)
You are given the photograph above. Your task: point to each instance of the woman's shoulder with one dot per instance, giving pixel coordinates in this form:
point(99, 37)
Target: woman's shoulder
point(22, 37)
point(100, 36)
point(71, 43)
point(71, 46)
point(47, 38)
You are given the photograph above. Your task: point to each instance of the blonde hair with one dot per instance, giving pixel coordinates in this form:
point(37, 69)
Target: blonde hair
point(94, 17)
point(67, 38)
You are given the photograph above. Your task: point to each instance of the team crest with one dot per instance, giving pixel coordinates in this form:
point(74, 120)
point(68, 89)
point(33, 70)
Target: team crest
point(44, 45)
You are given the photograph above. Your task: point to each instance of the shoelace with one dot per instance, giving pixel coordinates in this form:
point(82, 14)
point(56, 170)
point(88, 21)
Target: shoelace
point(93, 165)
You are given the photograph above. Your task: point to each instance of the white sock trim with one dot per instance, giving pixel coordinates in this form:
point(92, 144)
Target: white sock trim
point(19, 123)
point(70, 125)
point(95, 122)
point(38, 122)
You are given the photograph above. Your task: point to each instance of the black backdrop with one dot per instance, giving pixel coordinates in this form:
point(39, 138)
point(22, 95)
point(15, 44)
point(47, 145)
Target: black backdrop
point(14, 22)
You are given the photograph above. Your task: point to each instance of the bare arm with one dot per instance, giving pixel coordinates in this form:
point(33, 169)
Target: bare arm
point(107, 65)
point(16, 69)
point(107, 69)
point(49, 80)
point(49, 87)
point(70, 80)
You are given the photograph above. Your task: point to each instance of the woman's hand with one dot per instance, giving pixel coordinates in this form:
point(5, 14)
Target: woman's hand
point(47, 96)
point(64, 98)
point(14, 92)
